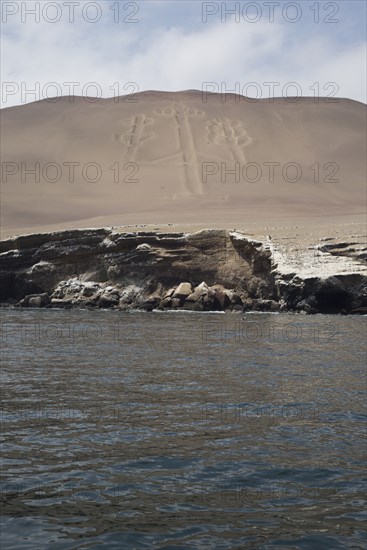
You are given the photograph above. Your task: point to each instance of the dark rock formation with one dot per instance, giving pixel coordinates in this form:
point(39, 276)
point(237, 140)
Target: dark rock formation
point(212, 270)
point(335, 294)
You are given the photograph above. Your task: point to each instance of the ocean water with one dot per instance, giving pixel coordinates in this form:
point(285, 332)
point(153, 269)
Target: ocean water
point(182, 430)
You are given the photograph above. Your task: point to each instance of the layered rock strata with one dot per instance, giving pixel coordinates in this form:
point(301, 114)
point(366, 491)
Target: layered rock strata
point(211, 270)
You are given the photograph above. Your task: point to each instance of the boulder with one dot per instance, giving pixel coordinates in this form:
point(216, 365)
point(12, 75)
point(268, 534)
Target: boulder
point(108, 300)
point(130, 294)
point(35, 300)
point(265, 305)
point(166, 302)
point(204, 297)
point(309, 305)
point(236, 307)
point(235, 298)
point(182, 291)
point(61, 303)
point(90, 289)
point(169, 293)
point(199, 293)
point(221, 298)
point(152, 302)
point(193, 306)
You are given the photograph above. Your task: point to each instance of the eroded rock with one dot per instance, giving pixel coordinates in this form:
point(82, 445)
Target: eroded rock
point(182, 291)
point(208, 270)
point(35, 300)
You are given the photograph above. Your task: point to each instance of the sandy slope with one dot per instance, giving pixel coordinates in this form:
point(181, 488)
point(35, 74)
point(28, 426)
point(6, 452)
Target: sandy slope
point(164, 158)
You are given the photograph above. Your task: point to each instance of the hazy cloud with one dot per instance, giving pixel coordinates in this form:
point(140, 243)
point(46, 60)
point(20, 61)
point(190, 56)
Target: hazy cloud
point(177, 56)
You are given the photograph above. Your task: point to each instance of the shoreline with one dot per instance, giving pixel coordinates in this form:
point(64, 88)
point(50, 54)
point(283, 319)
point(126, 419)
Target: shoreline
point(210, 270)
point(290, 313)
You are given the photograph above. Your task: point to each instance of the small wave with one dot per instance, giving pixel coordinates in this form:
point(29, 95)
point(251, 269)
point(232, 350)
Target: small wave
point(188, 311)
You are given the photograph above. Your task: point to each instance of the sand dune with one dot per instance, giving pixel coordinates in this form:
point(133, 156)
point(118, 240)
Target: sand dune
point(173, 158)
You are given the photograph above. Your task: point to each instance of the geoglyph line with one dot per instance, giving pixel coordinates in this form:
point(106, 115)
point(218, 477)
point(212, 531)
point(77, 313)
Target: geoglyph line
point(181, 113)
point(134, 135)
point(232, 133)
point(222, 131)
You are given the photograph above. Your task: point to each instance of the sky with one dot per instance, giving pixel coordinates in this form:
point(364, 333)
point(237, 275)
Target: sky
point(108, 48)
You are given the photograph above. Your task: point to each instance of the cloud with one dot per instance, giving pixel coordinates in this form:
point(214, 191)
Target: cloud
point(175, 57)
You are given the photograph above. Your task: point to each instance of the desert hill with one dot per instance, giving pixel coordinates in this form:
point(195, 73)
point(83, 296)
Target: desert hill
point(162, 157)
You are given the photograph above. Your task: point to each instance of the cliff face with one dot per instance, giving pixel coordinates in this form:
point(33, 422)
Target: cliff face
point(207, 270)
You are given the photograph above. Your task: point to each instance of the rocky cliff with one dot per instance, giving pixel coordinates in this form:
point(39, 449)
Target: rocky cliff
point(211, 270)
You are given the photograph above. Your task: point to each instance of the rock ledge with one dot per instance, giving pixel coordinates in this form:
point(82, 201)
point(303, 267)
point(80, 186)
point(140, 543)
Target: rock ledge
point(211, 270)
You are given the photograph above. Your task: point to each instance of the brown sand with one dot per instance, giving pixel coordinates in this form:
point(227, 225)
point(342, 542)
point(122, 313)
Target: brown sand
point(163, 143)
